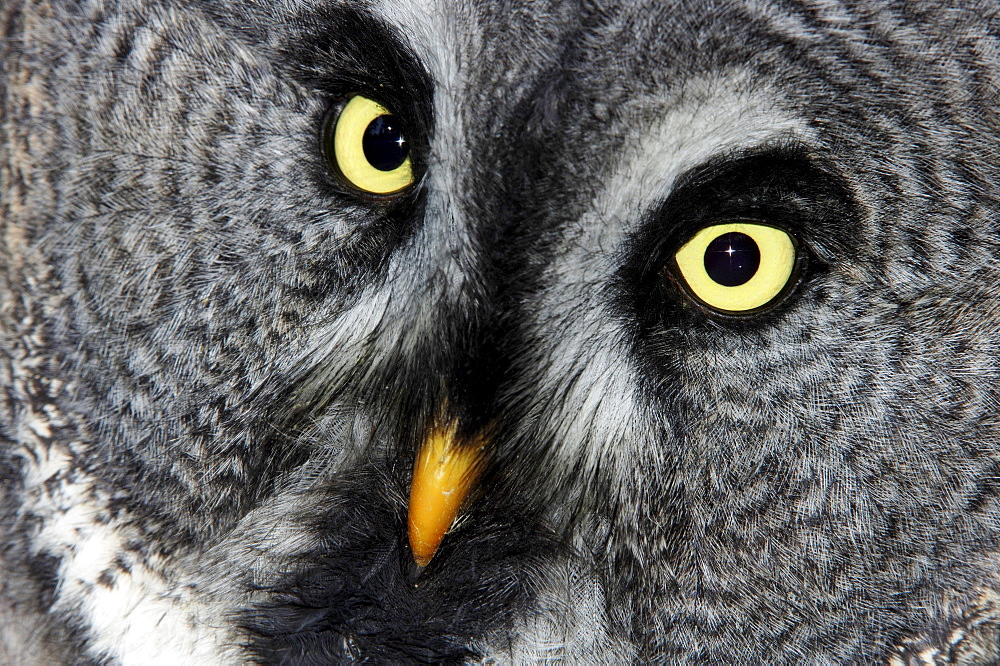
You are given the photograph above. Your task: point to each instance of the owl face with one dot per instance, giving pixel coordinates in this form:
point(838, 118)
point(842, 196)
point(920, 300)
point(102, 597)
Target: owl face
point(425, 331)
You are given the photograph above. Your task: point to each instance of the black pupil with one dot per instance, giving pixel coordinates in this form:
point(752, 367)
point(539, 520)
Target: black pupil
point(732, 259)
point(384, 145)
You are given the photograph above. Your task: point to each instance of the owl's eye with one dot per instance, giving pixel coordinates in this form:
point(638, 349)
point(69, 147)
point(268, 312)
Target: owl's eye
point(739, 267)
point(366, 146)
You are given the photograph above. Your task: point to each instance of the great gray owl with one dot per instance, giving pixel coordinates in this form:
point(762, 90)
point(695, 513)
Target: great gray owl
point(445, 331)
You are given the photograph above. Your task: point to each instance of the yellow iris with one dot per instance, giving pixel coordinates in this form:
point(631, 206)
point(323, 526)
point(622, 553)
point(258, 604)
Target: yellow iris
point(349, 150)
point(777, 263)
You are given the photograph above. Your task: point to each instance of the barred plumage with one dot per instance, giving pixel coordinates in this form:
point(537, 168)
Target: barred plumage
point(221, 347)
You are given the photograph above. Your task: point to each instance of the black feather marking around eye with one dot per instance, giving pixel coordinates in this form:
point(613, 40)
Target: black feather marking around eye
point(342, 51)
point(779, 186)
point(333, 51)
point(336, 49)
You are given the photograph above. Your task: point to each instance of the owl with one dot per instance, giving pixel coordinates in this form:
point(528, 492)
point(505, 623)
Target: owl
point(445, 331)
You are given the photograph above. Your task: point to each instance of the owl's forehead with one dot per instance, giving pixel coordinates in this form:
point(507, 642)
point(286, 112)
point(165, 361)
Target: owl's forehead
point(620, 51)
point(649, 88)
point(625, 97)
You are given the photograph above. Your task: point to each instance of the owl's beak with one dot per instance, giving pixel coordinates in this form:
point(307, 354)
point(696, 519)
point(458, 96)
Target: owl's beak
point(443, 475)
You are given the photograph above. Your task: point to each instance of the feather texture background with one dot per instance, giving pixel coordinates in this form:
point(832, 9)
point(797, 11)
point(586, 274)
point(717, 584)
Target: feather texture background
point(219, 358)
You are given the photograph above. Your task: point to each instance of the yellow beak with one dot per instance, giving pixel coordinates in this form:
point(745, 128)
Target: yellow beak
point(443, 475)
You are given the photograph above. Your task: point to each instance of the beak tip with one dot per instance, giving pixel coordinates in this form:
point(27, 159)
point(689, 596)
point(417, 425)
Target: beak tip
point(422, 551)
point(415, 573)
